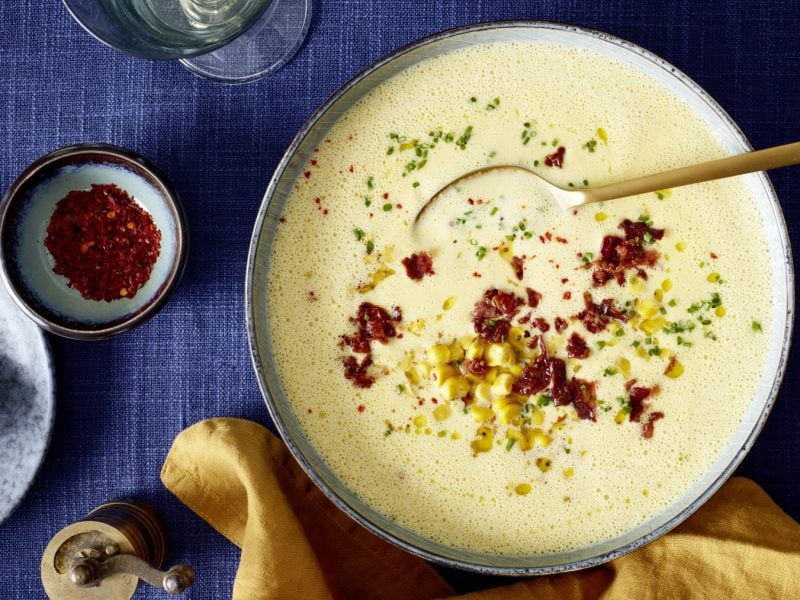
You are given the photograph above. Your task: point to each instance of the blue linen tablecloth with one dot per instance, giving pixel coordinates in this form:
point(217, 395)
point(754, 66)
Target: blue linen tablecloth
point(121, 402)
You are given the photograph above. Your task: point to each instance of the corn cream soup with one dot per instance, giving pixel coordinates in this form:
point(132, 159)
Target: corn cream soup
point(504, 376)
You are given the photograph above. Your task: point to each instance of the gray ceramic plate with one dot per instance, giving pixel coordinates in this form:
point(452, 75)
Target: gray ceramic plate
point(27, 403)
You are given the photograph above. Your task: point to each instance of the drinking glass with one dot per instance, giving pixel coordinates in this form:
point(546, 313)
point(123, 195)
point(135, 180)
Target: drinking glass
point(228, 40)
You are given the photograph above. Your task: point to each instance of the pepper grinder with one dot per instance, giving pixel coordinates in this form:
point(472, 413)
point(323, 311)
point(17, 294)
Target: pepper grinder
point(106, 554)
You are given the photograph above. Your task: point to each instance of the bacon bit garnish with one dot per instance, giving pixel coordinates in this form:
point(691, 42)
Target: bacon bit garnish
point(561, 324)
point(637, 396)
point(477, 367)
point(567, 295)
point(493, 313)
point(714, 256)
point(470, 201)
point(313, 162)
point(361, 408)
point(556, 159)
point(534, 297)
point(629, 384)
point(561, 240)
point(541, 324)
point(647, 428)
point(524, 320)
point(282, 219)
point(584, 398)
point(418, 265)
point(307, 174)
point(398, 206)
point(595, 317)
point(564, 280)
point(577, 347)
point(357, 372)
point(548, 236)
point(619, 254)
point(351, 169)
point(476, 274)
point(518, 265)
point(312, 297)
point(385, 195)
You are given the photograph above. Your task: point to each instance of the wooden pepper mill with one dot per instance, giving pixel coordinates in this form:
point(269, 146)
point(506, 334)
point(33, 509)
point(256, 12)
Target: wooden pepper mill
point(105, 555)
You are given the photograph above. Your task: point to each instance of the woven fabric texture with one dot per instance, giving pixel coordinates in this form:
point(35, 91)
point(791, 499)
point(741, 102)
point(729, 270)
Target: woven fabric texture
point(122, 402)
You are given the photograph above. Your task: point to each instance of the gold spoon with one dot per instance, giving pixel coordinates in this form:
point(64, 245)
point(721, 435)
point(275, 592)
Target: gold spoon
point(749, 162)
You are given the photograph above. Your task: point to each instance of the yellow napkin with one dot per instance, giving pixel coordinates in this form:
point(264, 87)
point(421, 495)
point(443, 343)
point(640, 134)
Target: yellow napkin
point(295, 543)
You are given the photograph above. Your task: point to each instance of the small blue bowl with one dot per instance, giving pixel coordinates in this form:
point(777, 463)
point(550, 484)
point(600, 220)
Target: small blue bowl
point(26, 266)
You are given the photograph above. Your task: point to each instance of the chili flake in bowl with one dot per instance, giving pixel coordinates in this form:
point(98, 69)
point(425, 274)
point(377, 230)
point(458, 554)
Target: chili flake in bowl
point(92, 241)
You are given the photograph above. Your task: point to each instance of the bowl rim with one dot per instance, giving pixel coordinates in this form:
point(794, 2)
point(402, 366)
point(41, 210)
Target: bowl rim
point(170, 197)
point(305, 463)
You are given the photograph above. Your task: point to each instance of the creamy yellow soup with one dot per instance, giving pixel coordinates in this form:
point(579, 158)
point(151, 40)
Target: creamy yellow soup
point(470, 462)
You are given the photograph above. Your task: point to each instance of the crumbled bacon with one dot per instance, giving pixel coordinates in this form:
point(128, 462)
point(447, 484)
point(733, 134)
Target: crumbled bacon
point(493, 313)
point(477, 367)
point(534, 377)
point(595, 317)
point(619, 254)
point(541, 324)
point(418, 265)
point(647, 428)
point(561, 324)
point(518, 265)
point(534, 297)
point(577, 347)
point(556, 159)
point(357, 372)
point(584, 398)
point(637, 396)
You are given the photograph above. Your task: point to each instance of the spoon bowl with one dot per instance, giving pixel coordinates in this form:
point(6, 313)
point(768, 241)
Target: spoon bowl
point(749, 162)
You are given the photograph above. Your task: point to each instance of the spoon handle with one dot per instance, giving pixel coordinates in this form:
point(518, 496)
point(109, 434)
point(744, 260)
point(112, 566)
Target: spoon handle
point(759, 160)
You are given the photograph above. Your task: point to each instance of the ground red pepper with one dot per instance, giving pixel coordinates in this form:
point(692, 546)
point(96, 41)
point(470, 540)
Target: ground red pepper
point(103, 242)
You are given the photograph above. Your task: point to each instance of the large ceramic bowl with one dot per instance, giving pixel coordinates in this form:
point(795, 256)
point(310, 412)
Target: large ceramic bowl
point(290, 168)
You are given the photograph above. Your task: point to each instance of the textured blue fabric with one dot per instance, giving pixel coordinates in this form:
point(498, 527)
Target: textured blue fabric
point(122, 402)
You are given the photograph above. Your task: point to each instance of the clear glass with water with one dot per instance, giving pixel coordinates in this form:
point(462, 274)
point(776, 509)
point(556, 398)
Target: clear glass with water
point(267, 32)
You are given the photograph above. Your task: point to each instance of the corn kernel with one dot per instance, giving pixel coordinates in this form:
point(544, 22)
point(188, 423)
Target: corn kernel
point(601, 133)
point(456, 352)
point(466, 340)
point(641, 352)
point(502, 385)
point(484, 440)
point(412, 377)
point(454, 388)
point(523, 489)
point(500, 355)
point(423, 369)
point(569, 472)
point(508, 413)
point(658, 294)
point(448, 303)
point(652, 326)
point(680, 246)
point(664, 353)
point(475, 349)
point(491, 374)
point(544, 464)
point(516, 337)
point(636, 285)
point(519, 438)
point(600, 217)
point(515, 369)
point(441, 412)
point(666, 285)
point(646, 308)
point(438, 354)
point(417, 327)
point(620, 417)
point(537, 416)
point(539, 438)
point(712, 277)
point(506, 250)
point(442, 373)
point(481, 414)
point(720, 311)
point(483, 392)
point(675, 369)
point(420, 421)
point(624, 365)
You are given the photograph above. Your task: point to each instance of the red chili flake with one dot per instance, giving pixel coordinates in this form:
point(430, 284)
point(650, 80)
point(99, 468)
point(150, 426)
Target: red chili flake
point(385, 195)
point(647, 428)
point(325, 211)
point(493, 313)
point(518, 265)
point(567, 295)
point(418, 265)
point(556, 159)
point(351, 168)
point(282, 219)
point(313, 162)
point(577, 347)
point(312, 297)
point(398, 206)
point(561, 324)
point(361, 408)
point(357, 372)
point(595, 317)
point(470, 201)
point(564, 280)
point(713, 255)
point(619, 254)
point(307, 174)
point(103, 242)
point(548, 236)
point(540, 324)
point(534, 297)
point(561, 240)
point(476, 274)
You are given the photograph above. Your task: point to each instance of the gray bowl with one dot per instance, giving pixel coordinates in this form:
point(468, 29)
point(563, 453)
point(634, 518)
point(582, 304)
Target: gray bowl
point(290, 169)
point(26, 266)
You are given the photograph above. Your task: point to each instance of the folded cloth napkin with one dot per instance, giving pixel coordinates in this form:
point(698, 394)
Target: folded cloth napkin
point(295, 543)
